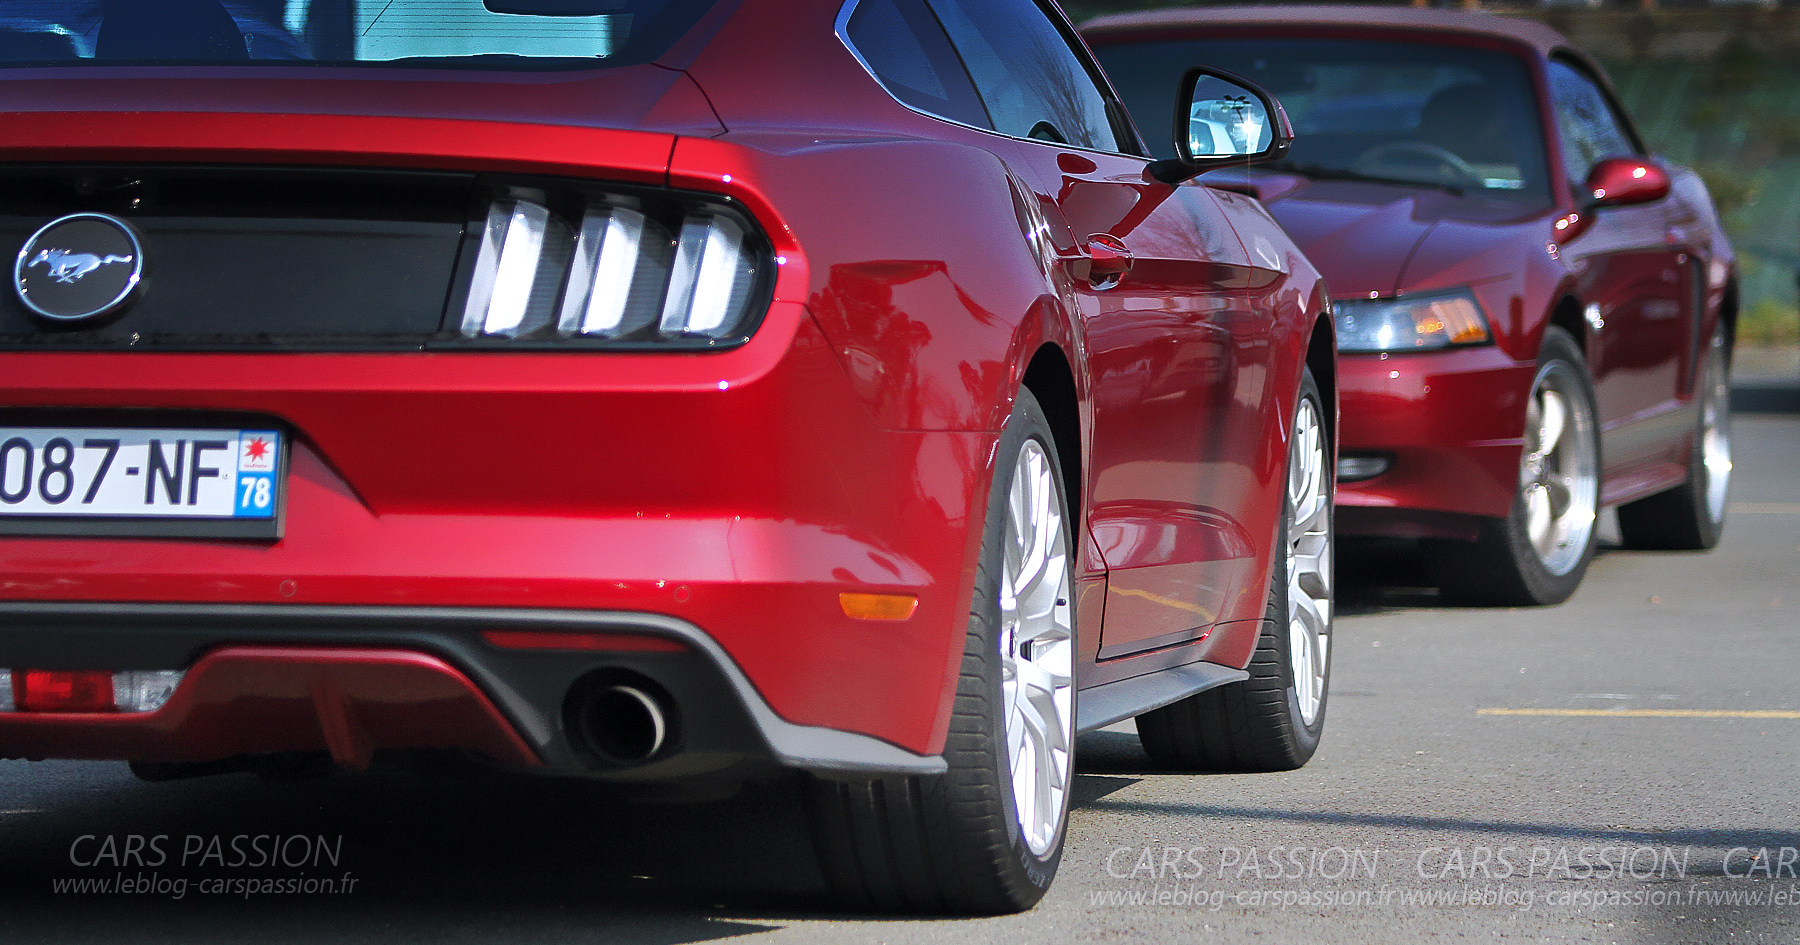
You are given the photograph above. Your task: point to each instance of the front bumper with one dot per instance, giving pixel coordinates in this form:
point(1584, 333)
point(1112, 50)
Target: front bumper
point(1452, 425)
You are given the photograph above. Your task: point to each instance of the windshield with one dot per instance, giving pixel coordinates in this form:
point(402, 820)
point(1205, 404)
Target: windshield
point(535, 34)
point(1458, 118)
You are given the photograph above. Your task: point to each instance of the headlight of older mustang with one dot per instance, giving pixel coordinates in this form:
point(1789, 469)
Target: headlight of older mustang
point(1414, 323)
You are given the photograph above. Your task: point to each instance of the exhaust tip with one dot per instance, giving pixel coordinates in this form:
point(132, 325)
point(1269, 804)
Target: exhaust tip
point(622, 722)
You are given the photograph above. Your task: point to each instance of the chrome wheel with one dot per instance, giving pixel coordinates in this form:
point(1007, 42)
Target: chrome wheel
point(1559, 477)
point(1037, 649)
point(1715, 430)
point(1309, 560)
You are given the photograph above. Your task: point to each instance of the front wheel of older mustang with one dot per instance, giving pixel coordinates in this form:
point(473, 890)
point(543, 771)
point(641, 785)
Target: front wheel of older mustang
point(1538, 553)
point(986, 836)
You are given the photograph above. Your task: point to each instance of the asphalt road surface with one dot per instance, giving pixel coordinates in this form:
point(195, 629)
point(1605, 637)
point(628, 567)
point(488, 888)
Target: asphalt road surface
point(1618, 769)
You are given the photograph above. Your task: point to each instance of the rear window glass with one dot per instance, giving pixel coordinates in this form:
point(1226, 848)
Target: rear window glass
point(501, 34)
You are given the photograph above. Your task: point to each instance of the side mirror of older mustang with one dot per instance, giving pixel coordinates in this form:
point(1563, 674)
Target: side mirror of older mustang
point(1222, 120)
point(1622, 181)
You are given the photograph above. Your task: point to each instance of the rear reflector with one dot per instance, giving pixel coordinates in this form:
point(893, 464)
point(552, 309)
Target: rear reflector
point(604, 642)
point(46, 690)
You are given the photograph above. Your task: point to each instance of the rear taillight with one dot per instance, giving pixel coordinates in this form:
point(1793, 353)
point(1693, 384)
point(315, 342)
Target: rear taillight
point(651, 269)
point(86, 690)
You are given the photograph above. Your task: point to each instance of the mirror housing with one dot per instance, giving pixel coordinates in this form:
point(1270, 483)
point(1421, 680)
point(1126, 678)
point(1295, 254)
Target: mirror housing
point(1623, 181)
point(552, 7)
point(1223, 120)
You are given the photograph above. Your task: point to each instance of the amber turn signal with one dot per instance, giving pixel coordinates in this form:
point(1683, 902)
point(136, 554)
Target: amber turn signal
point(878, 606)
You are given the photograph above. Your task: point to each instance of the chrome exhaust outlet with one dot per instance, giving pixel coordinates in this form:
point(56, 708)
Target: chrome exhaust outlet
point(623, 724)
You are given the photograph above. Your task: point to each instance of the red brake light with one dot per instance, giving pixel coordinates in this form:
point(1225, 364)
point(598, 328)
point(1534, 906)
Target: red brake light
point(45, 690)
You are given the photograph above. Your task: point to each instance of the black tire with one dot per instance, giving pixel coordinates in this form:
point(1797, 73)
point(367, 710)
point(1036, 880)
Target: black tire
point(1257, 724)
point(953, 843)
point(1501, 568)
point(1686, 518)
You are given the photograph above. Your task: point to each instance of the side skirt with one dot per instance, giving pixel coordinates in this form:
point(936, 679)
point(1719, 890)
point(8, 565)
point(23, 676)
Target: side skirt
point(1102, 705)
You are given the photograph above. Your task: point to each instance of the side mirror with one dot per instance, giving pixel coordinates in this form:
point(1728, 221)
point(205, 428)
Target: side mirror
point(1621, 182)
point(1222, 120)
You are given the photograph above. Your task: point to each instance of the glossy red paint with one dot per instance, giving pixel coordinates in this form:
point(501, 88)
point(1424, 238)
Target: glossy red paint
point(923, 268)
point(250, 700)
point(1648, 260)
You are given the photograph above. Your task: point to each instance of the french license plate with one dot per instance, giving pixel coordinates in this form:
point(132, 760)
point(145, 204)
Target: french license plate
point(135, 481)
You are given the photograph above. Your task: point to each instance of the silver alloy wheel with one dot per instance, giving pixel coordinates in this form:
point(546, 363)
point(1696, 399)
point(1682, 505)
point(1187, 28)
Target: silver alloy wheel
point(1715, 430)
point(1037, 649)
point(1309, 561)
point(1558, 473)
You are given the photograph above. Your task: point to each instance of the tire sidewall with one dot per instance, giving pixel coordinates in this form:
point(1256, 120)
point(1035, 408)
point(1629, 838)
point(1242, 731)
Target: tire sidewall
point(1716, 358)
point(1306, 737)
point(1545, 586)
point(1027, 422)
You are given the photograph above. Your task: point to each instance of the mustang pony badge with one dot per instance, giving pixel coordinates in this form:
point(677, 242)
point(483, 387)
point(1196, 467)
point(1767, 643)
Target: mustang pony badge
point(67, 267)
point(78, 267)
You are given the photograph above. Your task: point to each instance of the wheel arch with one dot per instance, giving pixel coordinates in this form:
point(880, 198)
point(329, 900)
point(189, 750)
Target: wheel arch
point(1728, 316)
point(1567, 315)
point(1321, 358)
point(1051, 380)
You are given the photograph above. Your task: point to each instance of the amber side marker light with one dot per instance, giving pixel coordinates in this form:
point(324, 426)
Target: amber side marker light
point(587, 642)
point(878, 606)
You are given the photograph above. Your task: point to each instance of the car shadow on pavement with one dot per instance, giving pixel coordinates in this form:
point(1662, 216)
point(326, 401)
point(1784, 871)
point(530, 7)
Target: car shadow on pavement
point(488, 857)
point(483, 856)
point(1381, 575)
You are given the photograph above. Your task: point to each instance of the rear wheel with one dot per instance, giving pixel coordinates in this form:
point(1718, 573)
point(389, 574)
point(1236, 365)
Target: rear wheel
point(1691, 516)
point(986, 837)
point(1539, 552)
point(1272, 721)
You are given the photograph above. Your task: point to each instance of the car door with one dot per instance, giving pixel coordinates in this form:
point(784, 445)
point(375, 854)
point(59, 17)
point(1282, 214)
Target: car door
point(1635, 280)
point(1176, 349)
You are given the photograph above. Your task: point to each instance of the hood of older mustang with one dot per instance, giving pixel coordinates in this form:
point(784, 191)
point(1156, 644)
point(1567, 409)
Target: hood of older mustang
point(1380, 239)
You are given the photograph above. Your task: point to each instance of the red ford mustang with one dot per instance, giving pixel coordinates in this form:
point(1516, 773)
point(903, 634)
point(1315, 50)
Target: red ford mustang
point(1536, 314)
point(665, 391)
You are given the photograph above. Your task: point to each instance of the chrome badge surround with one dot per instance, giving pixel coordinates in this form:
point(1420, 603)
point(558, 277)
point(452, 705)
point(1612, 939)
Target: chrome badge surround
point(64, 265)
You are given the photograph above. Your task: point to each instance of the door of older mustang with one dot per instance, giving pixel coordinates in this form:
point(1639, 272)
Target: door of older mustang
point(1639, 287)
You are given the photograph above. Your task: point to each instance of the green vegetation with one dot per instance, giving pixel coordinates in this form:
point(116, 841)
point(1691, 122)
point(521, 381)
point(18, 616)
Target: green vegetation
point(1769, 323)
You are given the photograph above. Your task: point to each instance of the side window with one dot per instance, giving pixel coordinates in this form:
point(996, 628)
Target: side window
point(1591, 132)
point(903, 45)
point(1034, 84)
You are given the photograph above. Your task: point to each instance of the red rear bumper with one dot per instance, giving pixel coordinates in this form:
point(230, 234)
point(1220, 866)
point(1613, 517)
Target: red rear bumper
point(247, 700)
point(738, 493)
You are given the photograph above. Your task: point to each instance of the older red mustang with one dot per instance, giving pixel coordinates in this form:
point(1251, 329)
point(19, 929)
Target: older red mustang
point(1536, 314)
